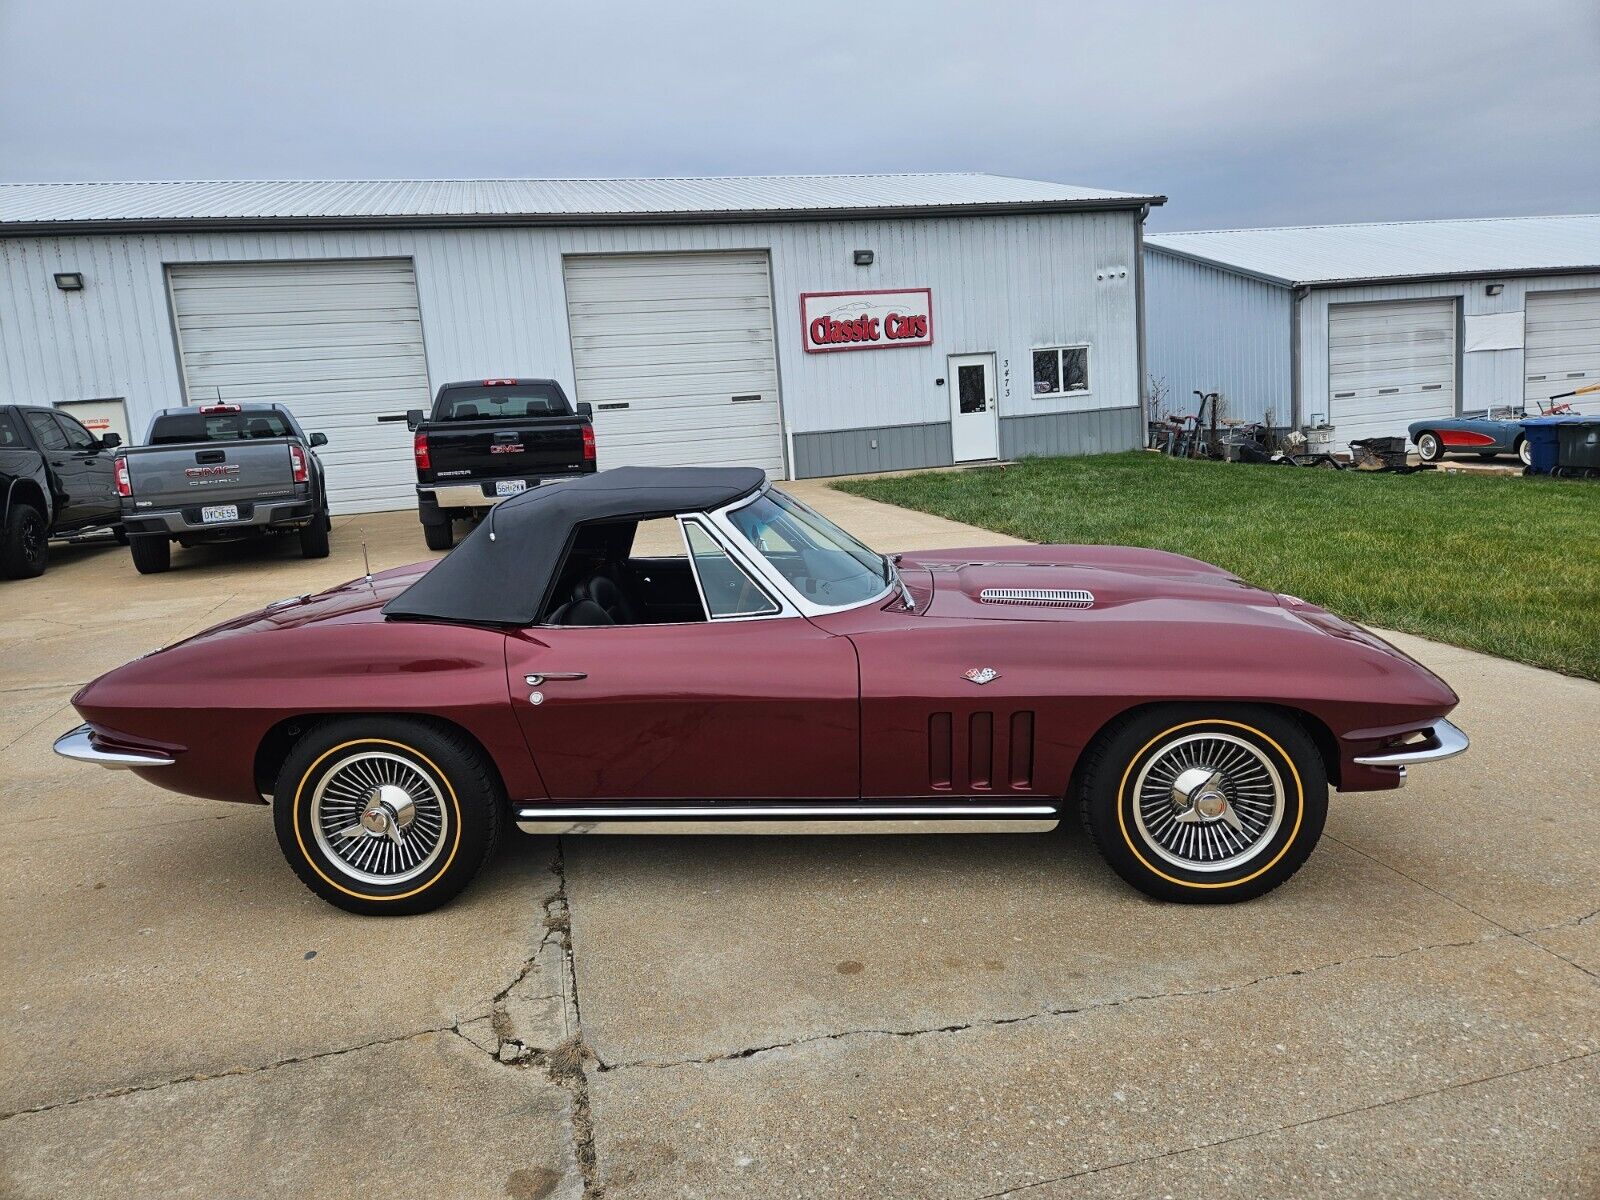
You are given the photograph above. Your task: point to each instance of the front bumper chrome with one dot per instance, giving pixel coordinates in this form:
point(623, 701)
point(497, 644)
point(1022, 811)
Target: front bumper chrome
point(1443, 741)
point(76, 745)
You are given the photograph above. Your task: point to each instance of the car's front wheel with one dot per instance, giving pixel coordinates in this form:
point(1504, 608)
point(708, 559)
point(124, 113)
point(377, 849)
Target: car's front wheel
point(387, 816)
point(1429, 448)
point(1525, 452)
point(1204, 804)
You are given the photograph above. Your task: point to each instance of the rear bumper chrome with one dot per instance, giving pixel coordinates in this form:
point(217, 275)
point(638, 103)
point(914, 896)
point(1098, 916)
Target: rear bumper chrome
point(76, 745)
point(1443, 741)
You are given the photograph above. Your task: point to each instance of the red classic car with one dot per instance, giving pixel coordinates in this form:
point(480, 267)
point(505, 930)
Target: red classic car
point(776, 674)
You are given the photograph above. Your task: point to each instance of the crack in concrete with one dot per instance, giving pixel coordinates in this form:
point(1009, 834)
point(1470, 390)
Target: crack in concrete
point(1308, 1121)
point(1522, 935)
point(1042, 1014)
point(564, 1063)
point(231, 1072)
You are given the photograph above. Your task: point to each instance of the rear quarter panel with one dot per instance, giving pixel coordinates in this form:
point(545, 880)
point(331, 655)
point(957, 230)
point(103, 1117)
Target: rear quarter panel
point(216, 698)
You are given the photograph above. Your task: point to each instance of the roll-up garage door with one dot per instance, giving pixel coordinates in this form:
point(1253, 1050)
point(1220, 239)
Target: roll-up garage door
point(1390, 364)
point(1562, 347)
point(338, 342)
point(676, 354)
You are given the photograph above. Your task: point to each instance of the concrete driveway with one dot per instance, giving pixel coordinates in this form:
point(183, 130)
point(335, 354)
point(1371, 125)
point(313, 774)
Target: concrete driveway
point(1416, 1013)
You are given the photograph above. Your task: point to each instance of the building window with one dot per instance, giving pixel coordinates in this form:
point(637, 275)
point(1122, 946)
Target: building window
point(1061, 371)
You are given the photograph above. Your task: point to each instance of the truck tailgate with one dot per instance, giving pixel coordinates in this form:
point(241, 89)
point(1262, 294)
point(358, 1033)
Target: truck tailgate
point(209, 473)
point(536, 446)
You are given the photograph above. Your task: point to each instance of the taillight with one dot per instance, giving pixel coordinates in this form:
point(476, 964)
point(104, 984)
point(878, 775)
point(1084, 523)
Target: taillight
point(588, 443)
point(124, 484)
point(297, 459)
point(419, 447)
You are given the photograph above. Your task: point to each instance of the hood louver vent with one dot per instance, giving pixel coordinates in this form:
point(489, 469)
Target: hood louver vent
point(1051, 597)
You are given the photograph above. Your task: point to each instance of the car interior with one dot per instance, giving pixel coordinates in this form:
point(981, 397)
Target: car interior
point(602, 583)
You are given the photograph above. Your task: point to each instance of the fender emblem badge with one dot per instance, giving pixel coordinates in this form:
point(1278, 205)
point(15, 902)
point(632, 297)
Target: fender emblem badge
point(981, 674)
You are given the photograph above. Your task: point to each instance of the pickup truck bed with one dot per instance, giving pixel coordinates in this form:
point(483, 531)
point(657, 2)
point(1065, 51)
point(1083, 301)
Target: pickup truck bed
point(491, 439)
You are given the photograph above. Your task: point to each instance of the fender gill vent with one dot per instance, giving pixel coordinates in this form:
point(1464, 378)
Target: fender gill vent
point(1056, 597)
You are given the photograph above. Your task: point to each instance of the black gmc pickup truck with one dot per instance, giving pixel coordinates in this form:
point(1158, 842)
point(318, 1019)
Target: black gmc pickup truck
point(56, 479)
point(490, 439)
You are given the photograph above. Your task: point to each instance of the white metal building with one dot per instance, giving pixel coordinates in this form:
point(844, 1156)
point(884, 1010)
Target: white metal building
point(807, 325)
point(1372, 327)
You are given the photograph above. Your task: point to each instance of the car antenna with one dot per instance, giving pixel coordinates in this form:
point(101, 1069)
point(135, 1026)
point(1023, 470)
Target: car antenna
point(365, 562)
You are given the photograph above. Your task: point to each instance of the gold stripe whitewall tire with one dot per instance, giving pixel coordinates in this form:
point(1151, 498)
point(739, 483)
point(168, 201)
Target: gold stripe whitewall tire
point(1204, 803)
point(387, 816)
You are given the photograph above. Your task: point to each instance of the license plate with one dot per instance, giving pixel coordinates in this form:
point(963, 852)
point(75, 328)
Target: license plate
point(510, 487)
point(219, 512)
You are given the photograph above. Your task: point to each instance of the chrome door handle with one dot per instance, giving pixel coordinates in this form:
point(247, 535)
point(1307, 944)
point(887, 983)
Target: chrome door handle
point(554, 677)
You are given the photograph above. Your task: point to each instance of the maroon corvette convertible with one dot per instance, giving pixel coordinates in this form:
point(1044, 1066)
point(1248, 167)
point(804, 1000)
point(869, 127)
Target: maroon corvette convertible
point(774, 674)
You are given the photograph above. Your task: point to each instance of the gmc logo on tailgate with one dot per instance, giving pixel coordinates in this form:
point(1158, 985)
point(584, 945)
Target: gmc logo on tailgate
point(216, 472)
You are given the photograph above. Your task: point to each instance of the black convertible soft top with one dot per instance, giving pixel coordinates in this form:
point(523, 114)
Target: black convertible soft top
point(502, 570)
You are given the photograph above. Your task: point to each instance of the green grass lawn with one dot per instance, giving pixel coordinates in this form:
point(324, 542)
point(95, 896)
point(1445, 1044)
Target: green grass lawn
point(1503, 564)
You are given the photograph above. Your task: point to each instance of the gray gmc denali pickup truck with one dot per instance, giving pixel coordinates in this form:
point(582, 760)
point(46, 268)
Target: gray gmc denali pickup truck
point(217, 473)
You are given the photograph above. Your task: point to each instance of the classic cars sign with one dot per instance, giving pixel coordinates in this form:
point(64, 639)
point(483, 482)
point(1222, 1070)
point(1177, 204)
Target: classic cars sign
point(872, 320)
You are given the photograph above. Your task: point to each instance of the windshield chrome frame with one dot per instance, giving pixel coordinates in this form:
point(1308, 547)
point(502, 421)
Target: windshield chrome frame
point(774, 578)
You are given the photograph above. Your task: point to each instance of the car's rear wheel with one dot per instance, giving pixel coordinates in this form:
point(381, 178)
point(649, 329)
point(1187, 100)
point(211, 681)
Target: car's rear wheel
point(1429, 448)
point(387, 816)
point(152, 553)
point(1204, 803)
point(314, 537)
point(440, 535)
point(24, 543)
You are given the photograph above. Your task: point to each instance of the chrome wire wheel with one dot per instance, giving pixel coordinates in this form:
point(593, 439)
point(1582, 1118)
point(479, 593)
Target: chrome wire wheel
point(379, 818)
point(1208, 801)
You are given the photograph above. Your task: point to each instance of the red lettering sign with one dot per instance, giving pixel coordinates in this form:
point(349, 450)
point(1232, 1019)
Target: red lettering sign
point(869, 320)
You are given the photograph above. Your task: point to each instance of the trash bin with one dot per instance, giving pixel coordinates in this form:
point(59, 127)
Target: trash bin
point(1544, 443)
point(1578, 446)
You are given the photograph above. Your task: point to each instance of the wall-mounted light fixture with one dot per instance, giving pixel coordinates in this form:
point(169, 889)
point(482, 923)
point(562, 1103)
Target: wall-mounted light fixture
point(69, 281)
point(864, 258)
point(1494, 289)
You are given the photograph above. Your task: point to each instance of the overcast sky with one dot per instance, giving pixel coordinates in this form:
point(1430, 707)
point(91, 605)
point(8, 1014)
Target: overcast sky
point(1243, 112)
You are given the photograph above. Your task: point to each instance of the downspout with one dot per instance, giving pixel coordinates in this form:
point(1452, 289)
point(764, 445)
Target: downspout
point(1297, 416)
point(1138, 319)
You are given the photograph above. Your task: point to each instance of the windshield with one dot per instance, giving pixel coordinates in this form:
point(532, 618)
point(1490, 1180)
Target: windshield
point(176, 429)
point(821, 561)
point(500, 402)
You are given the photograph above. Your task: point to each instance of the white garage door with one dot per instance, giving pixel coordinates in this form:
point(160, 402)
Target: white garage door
point(339, 343)
point(1390, 364)
point(1563, 347)
point(676, 354)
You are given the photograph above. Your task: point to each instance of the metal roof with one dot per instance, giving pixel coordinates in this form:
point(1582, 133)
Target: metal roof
point(56, 207)
point(1329, 254)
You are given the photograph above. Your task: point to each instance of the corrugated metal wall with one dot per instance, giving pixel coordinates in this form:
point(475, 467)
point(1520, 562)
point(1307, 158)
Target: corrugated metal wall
point(493, 303)
point(1215, 331)
point(1488, 378)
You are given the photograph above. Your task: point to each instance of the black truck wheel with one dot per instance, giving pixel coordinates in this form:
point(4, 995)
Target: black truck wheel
point(24, 543)
point(152, 553)
point(440, 535)
point(314, 537)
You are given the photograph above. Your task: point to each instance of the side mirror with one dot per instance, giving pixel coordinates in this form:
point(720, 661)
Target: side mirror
point(414, 419)
point(319, 439)
point(110, 441)
point(585, 409)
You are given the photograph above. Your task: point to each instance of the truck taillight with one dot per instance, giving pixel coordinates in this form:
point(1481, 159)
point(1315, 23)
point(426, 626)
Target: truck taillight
point(588, 443)
point(124, 484)
point(297, 460)
point(419, 447)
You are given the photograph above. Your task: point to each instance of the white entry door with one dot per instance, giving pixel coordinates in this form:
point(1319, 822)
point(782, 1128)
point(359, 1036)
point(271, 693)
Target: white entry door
point(974, 415)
